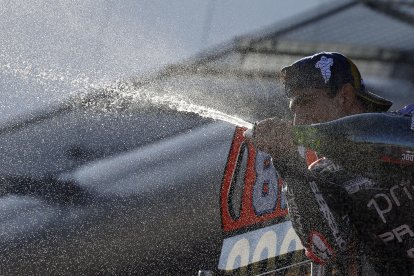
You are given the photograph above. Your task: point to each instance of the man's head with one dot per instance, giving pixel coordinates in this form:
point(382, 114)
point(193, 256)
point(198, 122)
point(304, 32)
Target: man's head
point(328, 86)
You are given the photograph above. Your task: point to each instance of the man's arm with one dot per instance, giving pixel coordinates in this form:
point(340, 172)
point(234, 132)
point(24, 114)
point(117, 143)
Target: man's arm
point(311, 194)
point(274, 136)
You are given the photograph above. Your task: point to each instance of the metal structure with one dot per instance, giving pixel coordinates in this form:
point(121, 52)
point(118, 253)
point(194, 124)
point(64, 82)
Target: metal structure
point(377, 35)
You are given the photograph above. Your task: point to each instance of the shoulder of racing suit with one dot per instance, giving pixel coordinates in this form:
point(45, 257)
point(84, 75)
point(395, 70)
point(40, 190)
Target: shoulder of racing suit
point(337, 205)
point(338, 177)
point(318, 207)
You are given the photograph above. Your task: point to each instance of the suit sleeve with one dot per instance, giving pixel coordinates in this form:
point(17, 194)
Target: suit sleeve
point(318, 208)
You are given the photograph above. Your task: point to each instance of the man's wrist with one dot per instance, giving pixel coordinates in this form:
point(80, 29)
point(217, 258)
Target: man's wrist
point(291, 165)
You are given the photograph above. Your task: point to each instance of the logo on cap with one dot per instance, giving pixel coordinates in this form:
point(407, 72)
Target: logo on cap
point(324, 64)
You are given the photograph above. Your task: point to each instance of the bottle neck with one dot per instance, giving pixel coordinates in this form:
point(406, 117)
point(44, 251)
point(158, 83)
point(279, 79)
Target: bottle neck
point(308, 136)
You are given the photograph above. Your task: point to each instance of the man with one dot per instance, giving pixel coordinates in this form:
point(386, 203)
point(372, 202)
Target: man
point(327, 204)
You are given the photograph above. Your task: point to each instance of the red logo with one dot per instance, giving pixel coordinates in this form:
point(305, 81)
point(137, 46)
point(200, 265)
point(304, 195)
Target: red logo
point(261, 188)
point(319, 249)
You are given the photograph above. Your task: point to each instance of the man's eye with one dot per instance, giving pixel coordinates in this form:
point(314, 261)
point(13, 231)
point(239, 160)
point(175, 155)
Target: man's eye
point(303, 100)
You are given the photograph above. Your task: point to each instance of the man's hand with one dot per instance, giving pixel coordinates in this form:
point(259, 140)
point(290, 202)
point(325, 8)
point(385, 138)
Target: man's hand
point(274, 136)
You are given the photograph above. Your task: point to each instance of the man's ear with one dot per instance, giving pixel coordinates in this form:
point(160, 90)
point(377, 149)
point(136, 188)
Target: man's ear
point(346, 96)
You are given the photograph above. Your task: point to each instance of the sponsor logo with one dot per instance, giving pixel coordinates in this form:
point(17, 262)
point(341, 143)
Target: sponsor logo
point(412, 123)
point(408, 156)
point(410, 253)
point(324, 208)
point(319, 249)
point(265, 189)
point(261, 198)
point(294, 213)
point(324, 166)
point(253, 211)
point(383, 203)
point(358, 183)
point(396, 233)
point(324, 64)
point(255, 246)
point(399, 234)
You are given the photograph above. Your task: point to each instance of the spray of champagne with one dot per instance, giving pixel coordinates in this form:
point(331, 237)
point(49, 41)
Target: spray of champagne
point(124, 93)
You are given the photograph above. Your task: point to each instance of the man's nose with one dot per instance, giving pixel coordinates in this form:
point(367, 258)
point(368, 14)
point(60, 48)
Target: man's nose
point(292, 104)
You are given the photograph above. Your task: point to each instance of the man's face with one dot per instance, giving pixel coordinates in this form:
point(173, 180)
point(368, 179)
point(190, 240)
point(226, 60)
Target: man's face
point(312, 106)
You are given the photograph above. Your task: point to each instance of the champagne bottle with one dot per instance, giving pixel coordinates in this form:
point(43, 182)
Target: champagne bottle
point(368, 142)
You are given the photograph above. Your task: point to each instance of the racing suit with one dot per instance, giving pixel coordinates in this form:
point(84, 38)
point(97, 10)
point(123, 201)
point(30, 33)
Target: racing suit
point(353, 224)
point(350, 223)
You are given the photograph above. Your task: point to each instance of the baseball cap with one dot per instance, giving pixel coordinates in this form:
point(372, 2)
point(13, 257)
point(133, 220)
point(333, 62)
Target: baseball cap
point(330, 70)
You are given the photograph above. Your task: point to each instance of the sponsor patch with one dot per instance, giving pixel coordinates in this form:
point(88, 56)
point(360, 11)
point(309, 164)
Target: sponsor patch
point(358, 183)
point(294, 213)
point(384, 202)
point(324, 166)
point(319, 249)
point(324, 64)
point(326, 211)
point(397, 234)
point(255, 246)
point(256, 229)
point(412, 123)
point(260, 200)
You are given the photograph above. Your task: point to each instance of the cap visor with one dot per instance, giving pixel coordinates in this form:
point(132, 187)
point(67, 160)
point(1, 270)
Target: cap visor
point(379, 102)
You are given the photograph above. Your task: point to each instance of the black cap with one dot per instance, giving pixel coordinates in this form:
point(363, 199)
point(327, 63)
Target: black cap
point(330, 70)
